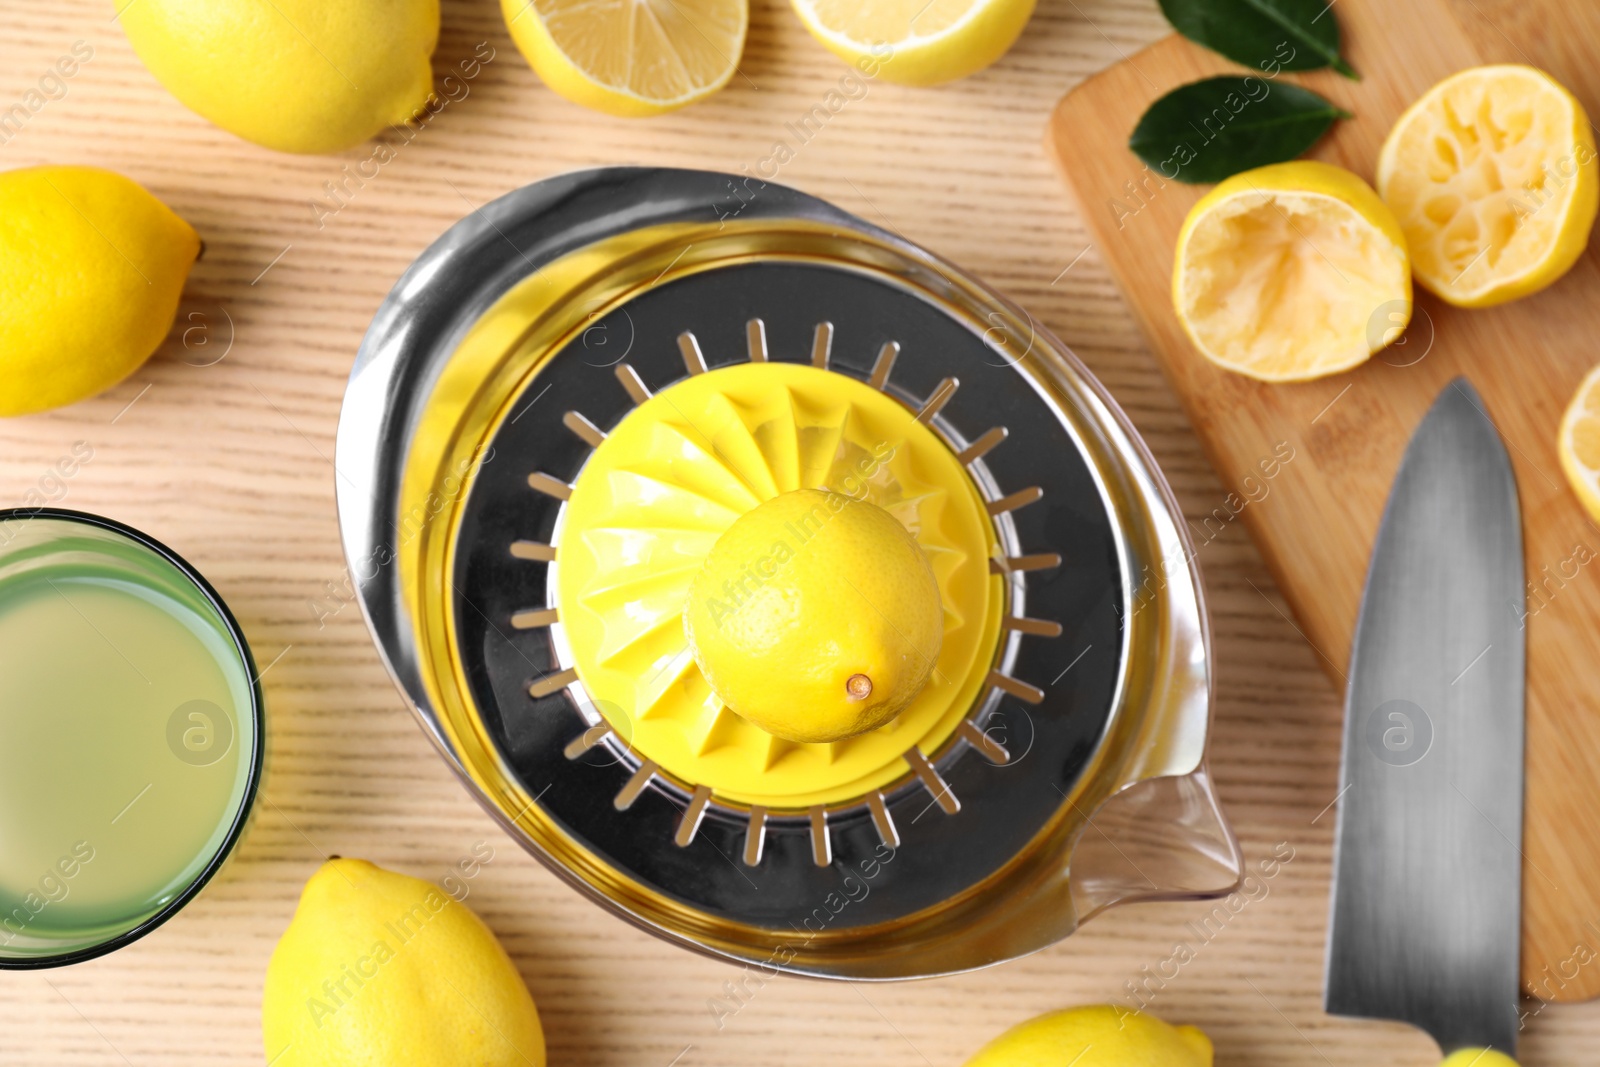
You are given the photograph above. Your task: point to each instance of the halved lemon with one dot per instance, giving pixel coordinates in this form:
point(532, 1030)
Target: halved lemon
point(1579, 443)
point(1291, 272)
point(1492, 175)
point(916, 42)
point(631, 57)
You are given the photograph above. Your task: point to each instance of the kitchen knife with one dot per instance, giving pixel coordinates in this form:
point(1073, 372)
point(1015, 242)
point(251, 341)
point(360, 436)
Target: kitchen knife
point(1426, 910)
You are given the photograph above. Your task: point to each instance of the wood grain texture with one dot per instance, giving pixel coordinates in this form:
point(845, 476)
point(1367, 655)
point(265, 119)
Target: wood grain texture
point(1349, 431)
point(230, 463)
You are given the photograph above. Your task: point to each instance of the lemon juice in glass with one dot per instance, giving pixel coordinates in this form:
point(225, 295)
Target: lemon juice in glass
point(130, 735)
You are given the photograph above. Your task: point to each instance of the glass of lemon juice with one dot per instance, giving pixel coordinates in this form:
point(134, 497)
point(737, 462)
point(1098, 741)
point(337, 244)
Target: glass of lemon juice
point(130, 735)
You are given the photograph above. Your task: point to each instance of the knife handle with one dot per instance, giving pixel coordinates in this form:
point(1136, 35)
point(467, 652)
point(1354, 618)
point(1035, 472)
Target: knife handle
point(1478, 1057)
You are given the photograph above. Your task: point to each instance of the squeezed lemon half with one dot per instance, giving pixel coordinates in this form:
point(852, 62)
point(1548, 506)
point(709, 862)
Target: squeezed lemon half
point(631, 57)
point(1492, 175)
point(1291, 272)
point(916, 42)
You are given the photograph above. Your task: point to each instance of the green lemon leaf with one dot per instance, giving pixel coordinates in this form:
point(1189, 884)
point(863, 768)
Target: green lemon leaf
point(1208, 130)
point(1269, 35)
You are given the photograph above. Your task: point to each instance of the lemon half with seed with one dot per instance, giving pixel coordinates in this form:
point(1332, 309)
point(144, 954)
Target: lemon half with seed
point(815, 616)
point(631, 57)
point(1291, 272)
point(916, 42)
point(1492, 175)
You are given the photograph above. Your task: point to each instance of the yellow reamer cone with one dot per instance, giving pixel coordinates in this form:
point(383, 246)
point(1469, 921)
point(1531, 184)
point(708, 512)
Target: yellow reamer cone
point(669, 479)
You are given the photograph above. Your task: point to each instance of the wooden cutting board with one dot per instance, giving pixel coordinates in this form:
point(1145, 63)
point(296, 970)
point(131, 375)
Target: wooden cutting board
point(1314, 521)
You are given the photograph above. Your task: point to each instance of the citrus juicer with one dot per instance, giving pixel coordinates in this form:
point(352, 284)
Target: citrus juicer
point(576, 389)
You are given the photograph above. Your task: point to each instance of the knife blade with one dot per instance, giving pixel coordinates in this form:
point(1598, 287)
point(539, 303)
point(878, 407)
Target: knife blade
point(1425, 919)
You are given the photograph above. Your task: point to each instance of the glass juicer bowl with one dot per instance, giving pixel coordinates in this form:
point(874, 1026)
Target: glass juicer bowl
point(566, 398)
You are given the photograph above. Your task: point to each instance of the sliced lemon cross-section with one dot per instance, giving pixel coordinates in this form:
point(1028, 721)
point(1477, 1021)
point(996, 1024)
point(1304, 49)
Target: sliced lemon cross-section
point(916, 42)
point(1291, 272)
point(1492, 176)
point(631, 57)
point(1579, 444)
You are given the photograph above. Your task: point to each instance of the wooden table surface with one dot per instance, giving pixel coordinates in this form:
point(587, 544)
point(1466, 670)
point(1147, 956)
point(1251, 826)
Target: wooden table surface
point(221, 446)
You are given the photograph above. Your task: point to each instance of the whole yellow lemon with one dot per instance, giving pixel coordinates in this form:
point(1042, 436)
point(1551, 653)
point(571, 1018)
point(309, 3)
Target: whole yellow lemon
point(378, 969)
point(294, 75)
point(1478, 1057)
point(91, 268)
point(1100, 1035)
point(815, 616)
